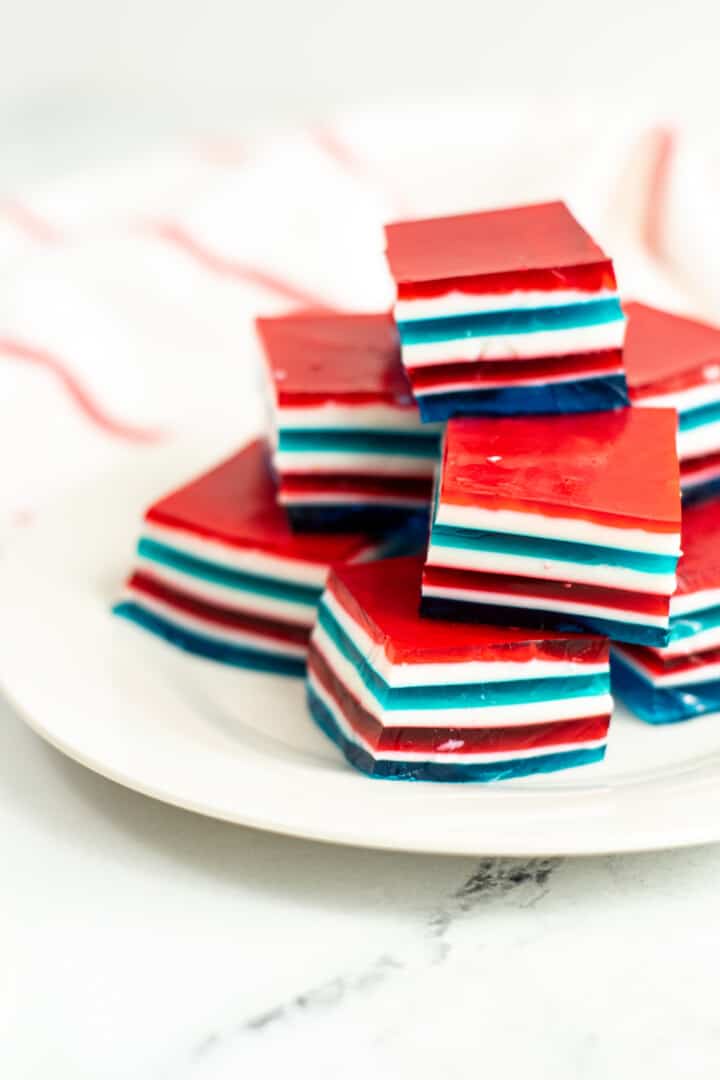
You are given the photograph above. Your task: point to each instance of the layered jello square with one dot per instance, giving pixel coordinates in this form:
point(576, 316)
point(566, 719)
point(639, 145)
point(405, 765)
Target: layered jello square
point(674, 362)
point(505, 312)
point(348, 443)
point(681, 680)
point(567, 521)
point(219, 573)
point(405, 698)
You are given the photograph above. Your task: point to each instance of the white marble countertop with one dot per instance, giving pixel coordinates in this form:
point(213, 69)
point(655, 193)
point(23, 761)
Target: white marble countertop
point(139, 941)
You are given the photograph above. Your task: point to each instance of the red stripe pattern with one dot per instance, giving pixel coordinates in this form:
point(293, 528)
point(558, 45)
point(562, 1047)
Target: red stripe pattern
point(214, 614)
point(452, 741)
point(540, 589)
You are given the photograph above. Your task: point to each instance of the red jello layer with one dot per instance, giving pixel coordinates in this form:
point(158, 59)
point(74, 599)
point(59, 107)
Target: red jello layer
point(221, 617)
point(450, 740)
point(309, 399)
point(383, 598)
point(334, 357)
point(419, 487)
point(692, 467)
point(236, 504)
point(666, 353)
point(658, 665)
point(504, 373)
point(589, 279)
point(699, 566)
point(590, 466)
point(518, 240)
point(541, 589)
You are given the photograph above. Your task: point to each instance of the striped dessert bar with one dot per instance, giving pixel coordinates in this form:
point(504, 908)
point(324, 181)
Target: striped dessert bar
point(674, 362)
point(567, 521)
point(218, 571)
point(506, 312)
point(406, 699)
point(349, 447)
point(681, 680)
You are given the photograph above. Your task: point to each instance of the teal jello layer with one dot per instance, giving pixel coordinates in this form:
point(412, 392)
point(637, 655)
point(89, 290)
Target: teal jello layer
point(694, 622)
point(443, 771)
point(556, 550)
point(511, 321)
point(462, 696)
point(203, 570)
point(695, 418)
point(404, 444)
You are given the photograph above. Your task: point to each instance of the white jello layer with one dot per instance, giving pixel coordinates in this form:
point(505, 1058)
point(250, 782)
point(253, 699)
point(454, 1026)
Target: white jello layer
point(693, 477)
point(227, 635)
point(609, 576)
point(695, 442)
point(694, 397)
point(685, 603)
point(705, 639)
point(447, 755)
point(234, 599)
point(451, 674)
point(701, 674)
point(570, 607)
point(458, 302)
point(252, 561)
point(320, 497)
point(349, 417)
point(342, 463)
point(446, 386)
point(558, 528)
point(609, 335)
point(535, 712)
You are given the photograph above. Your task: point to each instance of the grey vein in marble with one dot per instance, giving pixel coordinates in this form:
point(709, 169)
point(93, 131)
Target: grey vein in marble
point(525, 880)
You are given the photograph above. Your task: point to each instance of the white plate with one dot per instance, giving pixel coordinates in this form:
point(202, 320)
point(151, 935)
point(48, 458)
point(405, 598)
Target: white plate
point(240, 746)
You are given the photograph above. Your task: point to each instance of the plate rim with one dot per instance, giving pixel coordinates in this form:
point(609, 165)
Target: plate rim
point(641, 835)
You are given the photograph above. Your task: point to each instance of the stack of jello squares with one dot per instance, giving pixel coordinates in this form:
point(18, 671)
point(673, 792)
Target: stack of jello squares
point(555, 518)
point(493, 426)
point(230, 566)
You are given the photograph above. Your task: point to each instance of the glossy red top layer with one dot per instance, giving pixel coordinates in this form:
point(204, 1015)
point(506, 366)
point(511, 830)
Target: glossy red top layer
point(316, 357)
point(615, 468)
point(662, 349)
point(699, 566)
point(590, 279)
point(383, 598)
point(540, 237)
point(234, 503)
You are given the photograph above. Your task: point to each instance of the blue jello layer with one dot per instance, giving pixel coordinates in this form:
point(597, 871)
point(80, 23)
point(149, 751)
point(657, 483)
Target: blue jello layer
point(699, 492)
point(208, 648)
point(538, 618)
point(454, 771)
point(362, 517)
point(417, 444)
point(510, 321)
point(557, 550)
point(662, 705)
point(203, 570)
point(581, 395)
point(459, 696)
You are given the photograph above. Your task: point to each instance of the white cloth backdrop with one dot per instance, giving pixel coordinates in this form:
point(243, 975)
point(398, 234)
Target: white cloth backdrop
point(127, 295)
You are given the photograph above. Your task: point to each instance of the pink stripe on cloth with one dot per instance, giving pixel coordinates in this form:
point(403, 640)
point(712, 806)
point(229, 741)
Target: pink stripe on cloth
point(18, 350)
point(179, 238)
point(27, 221)
point(664, 151)
point(328, 140)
